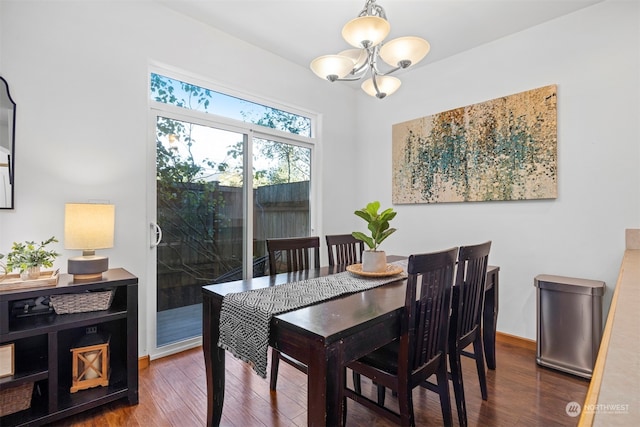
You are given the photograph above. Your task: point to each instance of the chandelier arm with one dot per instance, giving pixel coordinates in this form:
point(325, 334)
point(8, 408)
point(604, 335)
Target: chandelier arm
point(388, 72)
point(375, 85)
point(354, 79)
point(360, 69)
point(373, 63)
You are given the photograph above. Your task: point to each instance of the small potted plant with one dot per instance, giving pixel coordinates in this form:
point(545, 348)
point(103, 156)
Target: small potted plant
point(28, 257)
point(374, 260)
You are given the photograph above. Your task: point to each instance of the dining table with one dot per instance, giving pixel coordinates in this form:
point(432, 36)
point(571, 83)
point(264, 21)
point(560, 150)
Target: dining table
point(325, 336)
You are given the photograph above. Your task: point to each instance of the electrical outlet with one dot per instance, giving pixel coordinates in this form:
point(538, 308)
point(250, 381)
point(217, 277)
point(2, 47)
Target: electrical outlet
point(92, 329)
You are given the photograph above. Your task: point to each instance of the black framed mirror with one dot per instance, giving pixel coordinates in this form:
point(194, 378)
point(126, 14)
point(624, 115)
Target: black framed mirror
point(7, 146)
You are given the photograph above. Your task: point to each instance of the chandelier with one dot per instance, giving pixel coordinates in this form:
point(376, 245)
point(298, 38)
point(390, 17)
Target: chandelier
point(367, 33)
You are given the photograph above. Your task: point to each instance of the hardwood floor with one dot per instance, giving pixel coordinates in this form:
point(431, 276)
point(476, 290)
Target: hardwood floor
point(173, 393)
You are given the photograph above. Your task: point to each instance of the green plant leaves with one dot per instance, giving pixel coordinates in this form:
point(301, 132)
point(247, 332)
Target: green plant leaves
point(28, 254)
point(372, 208)
point(366, 239)
point(377, 223)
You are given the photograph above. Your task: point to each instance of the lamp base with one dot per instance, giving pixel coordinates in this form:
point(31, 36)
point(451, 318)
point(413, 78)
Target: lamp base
point(87, 267)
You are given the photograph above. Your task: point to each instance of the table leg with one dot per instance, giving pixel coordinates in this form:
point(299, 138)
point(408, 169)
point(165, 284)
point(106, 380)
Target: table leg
point(214, 360)
point(490, 319)
point(325, 381)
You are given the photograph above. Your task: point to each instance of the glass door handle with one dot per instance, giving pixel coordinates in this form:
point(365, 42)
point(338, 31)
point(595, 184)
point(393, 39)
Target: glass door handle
point(156, 231)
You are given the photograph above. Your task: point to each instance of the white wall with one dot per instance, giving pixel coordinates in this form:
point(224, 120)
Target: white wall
point(78, 72)
point(593, 57)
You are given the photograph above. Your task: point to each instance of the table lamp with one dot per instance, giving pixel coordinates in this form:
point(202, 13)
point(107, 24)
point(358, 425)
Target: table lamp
point(87, 227)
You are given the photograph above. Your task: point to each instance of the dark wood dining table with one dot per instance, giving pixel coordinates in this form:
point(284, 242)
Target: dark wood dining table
point(324, 336)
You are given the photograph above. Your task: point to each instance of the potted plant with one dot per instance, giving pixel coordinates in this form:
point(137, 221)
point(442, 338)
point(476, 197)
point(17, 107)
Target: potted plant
point(28, 257)
point(374, 260)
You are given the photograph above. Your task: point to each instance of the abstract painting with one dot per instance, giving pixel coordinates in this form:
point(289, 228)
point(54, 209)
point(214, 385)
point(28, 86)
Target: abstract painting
point(502, 149)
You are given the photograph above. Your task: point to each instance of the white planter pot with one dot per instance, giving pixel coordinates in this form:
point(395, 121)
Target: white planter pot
point(374, 261)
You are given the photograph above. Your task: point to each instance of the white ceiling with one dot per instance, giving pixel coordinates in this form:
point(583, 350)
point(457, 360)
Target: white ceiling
point(300, 30)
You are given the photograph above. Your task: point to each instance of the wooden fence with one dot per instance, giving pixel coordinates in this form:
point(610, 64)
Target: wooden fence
point(203, 235)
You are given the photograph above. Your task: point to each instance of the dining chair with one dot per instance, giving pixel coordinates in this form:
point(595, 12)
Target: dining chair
point(344, 249)
point(465, 324)
point(294, 255)
point(421, 350)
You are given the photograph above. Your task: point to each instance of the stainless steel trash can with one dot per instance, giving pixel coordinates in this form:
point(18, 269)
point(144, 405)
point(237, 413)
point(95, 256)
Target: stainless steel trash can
point(569, 323)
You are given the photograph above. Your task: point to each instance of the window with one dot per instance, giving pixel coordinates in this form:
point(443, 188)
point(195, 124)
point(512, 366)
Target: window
point(192, 97)
point(216, 155)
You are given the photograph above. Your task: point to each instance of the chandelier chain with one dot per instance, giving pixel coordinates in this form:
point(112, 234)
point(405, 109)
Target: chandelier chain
point(372, 9)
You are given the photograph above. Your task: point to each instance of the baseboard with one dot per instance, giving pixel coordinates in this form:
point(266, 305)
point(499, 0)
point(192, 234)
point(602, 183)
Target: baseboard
point(516, 340)
point(143, 362)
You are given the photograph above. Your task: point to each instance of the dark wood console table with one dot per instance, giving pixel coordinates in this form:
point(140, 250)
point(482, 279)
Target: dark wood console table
point(42, 346)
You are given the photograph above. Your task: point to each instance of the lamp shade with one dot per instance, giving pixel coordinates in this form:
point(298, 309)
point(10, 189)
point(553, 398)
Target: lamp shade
point(366, 31)
point(359, 56)
point(386, 86)
point(411, 49)
point(88, 226)
point(332, 67)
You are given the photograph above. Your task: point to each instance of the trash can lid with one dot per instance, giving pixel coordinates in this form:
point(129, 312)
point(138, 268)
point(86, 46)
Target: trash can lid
point(569, 284)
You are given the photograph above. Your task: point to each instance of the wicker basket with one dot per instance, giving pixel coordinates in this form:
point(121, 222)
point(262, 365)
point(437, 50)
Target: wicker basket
point(82, 302)
point(15, 399)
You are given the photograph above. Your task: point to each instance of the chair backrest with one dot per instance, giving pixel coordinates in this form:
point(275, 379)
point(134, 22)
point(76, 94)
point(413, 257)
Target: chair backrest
point(292, 254)
point(344, 249)
point(425, 327)
point(468, 294)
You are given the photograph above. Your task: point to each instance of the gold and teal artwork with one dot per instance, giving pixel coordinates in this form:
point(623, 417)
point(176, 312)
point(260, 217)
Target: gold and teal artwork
point(502, 149)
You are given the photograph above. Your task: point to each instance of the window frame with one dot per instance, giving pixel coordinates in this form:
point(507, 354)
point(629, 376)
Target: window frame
point(251, 131)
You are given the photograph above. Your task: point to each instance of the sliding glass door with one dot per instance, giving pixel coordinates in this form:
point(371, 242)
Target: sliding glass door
point(281, 195)
point(227, 174)
point(201, 194)
point(200, 212)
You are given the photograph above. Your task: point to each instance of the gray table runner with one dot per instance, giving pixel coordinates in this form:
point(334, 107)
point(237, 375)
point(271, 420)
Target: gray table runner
point(245, 316)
